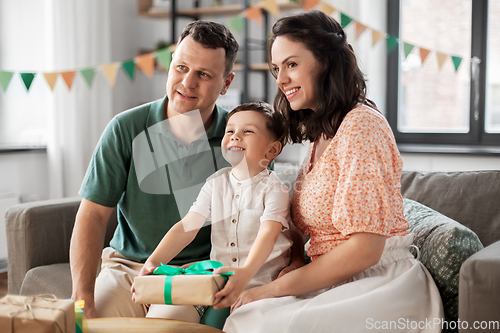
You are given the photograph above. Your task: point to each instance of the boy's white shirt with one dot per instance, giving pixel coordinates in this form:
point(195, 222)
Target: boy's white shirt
point(224, 199)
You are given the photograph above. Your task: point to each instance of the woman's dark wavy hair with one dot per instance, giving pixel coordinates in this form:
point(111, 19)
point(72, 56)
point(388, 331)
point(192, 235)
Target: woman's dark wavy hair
point(340, 84)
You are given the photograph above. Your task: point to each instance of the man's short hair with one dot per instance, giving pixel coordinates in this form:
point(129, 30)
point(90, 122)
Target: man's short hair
point(275, 122)
point(213, 35)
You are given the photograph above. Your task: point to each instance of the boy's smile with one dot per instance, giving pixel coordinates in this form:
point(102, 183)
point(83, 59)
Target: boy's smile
point(247, 142)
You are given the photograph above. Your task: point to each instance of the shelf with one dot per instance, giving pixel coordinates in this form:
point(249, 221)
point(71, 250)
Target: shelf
point(237, 67)
point(144, 10)
point(212, 11)
point(259, 67)
point(193, 12)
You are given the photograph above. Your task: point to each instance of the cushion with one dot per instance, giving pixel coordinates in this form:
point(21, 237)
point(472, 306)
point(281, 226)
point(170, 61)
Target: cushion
point(465, 196)
point(51, 279)
point(444, 245)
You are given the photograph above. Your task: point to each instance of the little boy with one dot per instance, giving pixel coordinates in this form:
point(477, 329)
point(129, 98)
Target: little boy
point(248, 207)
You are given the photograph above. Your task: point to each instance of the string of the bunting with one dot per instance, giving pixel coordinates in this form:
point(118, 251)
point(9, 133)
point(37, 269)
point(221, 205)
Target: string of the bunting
point(254, 13)
point(146, 62)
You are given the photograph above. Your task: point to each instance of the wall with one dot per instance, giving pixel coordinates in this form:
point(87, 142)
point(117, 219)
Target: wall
point(24, 174)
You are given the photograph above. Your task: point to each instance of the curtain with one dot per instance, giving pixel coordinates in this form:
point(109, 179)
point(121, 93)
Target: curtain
point(78, 36)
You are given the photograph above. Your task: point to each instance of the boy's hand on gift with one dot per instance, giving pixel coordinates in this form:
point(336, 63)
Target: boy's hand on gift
point(234, 286)
point(146, 269)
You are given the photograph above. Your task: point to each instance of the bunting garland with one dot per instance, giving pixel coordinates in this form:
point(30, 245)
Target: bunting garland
point(28, 79)
point(129, 67)
point(344, 20)
point(164, 57)
point(5, 78)
point(110, 72)
point(88, 75)
point(68, 78)
point(51, 79)
point(407, 47)
point(146, 62)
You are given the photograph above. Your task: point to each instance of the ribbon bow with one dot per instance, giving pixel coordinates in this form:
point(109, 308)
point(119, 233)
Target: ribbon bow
point(205, 267)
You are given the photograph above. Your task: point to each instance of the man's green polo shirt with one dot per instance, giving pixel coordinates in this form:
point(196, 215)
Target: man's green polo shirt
point(143, 169)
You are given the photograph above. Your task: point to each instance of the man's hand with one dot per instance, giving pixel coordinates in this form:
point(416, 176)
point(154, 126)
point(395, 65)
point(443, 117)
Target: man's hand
point(89, 310)
point(234, 286)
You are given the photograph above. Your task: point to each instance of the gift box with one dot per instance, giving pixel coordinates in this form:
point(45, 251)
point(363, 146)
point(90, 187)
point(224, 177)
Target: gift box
point(195, 285)
point(38, 314)
point(81, 325)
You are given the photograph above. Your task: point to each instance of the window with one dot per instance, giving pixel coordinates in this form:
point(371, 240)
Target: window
point(493, 70)
point(446, 90)
point(23, 114)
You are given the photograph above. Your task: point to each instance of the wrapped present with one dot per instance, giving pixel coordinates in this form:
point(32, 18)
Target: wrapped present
point(195, 285)
point(80, 320)
point(39, 314)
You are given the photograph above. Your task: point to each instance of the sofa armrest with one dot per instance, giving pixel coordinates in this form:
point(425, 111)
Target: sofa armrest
point(38, 233)
point(479, 289)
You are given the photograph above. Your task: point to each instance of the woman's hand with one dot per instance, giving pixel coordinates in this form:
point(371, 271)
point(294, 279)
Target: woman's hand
point(293, 266)
point(252, 295)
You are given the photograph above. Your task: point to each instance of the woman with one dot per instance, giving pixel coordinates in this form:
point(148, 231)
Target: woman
point(347, 199)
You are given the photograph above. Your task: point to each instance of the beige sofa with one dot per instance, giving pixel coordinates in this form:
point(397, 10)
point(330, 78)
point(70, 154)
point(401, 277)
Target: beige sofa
point(38, 236)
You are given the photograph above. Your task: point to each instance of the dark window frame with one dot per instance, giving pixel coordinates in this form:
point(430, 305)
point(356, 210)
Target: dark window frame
point(476, 141)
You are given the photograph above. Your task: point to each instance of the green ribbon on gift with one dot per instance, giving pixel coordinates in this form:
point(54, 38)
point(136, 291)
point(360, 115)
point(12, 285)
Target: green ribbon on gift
point(205, 267)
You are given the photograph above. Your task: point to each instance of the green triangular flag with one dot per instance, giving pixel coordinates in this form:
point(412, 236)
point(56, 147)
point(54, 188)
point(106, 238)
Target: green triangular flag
point(129, 67)
point(456, 62)
point(236, 23)
point(392, 42)
point(164, 57)
point(407, 48)
point(344, 20)
point(88, 75)
point(27, 79)
point(5, 79)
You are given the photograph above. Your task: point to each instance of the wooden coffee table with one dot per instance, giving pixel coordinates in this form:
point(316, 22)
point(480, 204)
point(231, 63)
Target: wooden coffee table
point(149, 325)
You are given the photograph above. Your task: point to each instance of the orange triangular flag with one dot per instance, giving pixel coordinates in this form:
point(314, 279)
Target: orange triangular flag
point(376, 36)
point(327, 9)
point(310, 4)
point(360, 28)
point(271, 6)
point(146, 63)
point(423, 54)
point(253, 13)
point(51, 79)
point(441, 59)
point(68, 78)
point(110, 71)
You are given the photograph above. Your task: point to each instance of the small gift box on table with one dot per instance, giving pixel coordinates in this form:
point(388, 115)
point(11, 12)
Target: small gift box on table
point(38, 314)
point(195, 285)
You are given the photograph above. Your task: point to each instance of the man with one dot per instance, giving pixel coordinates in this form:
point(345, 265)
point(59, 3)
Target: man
point(150, 163)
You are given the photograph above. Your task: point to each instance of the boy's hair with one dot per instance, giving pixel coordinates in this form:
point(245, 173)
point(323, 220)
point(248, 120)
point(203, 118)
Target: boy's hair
point(212, 36)
point(275, 122)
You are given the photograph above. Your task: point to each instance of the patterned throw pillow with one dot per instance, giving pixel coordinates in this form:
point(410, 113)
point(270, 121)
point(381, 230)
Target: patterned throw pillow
point(444, 245)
